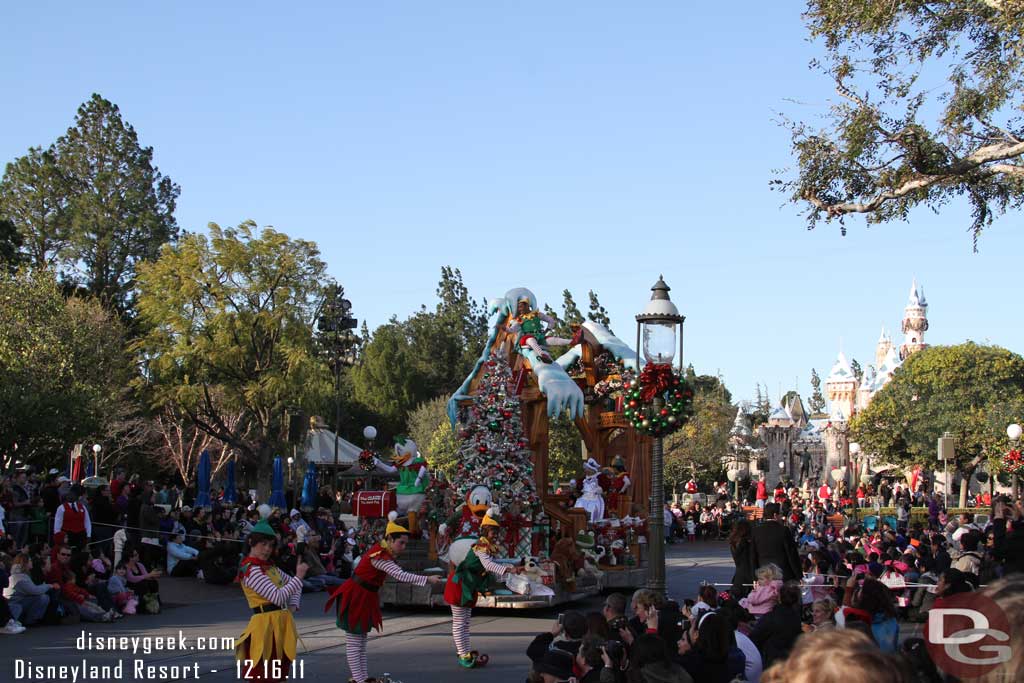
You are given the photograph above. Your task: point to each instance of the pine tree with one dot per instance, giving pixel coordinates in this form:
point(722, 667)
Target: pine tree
point(817, 402)
point(597, 312)
point(493, 450)
point(570, 312)
point(858, 371)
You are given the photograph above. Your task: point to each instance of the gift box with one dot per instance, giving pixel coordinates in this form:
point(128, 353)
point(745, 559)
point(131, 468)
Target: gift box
point(374, 503)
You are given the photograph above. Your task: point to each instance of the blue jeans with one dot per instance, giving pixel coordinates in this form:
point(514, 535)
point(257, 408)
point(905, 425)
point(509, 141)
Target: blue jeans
point(29, 609)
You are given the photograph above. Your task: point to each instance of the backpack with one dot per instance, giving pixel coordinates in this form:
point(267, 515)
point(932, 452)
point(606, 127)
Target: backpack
point(150, 604)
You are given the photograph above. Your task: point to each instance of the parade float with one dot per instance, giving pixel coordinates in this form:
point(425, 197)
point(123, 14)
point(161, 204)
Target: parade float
point(574, 542)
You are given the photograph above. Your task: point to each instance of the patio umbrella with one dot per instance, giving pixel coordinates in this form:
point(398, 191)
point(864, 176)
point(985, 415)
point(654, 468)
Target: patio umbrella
point(203, 481)
point(230, 490)
point(90, 469)
point(277, 486)
point(309, 487)
point(77, 469)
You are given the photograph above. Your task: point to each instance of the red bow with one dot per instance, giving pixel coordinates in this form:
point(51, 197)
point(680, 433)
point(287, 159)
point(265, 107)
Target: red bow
point(655, 380)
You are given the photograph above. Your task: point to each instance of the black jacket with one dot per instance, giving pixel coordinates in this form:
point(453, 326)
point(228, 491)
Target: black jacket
point(773, 543)
point(776, 632)
point(1009, 548)
point(535, 651)
point(742, 557)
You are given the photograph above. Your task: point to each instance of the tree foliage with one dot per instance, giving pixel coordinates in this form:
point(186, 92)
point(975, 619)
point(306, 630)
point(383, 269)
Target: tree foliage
point(230, 332)
point(565, 449)
point(63, 367)
point(597, 312)
point(431, 429)
point(10, 247)
point(426, 356)
point(858, 371)
point(970, 390)
point(698, 448)
point(817, 400)
point(92, 204)
point(895, 139)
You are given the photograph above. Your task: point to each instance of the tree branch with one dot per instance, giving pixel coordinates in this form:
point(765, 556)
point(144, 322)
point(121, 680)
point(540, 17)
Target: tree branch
point(971, 162)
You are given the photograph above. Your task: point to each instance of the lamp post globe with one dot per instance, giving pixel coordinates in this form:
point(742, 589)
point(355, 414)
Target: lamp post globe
point(658, 326)
point(854, 448)
point(369, 433)
point(1013, 431)
point(96, 448)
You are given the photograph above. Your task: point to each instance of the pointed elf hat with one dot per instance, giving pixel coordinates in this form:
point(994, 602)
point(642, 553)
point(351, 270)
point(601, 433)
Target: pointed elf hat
point(490, 518)
point(263, 527)
point(393, 526)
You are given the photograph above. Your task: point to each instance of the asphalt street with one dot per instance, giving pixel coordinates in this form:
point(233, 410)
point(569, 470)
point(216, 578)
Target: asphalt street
point(191, 638)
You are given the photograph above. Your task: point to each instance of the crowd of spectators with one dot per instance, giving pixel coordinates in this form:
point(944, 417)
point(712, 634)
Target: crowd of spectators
point(69, 554)
point(809, 601)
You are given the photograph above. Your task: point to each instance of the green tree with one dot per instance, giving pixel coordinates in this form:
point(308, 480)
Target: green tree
point(229, 322)
point(762, 407)
point(93, 204)
point(445, 342)
point(63, 365)
point(597, 312)
point(387, 380)
point(858, 371)
point(10, 245)
point(565, 449)
point(817, 401)
point(430, 428)
point(699, 447)
point(929, 110)
point(34, 198)
point(970, 390)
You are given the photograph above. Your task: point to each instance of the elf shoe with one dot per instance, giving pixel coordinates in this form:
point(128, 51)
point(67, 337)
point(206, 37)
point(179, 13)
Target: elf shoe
point(466, 661)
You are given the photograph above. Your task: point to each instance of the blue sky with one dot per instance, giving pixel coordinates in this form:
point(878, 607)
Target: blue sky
point(585, 146)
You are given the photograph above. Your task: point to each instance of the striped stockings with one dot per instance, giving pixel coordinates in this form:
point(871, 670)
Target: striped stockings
point(460, 628)
point(355, 653)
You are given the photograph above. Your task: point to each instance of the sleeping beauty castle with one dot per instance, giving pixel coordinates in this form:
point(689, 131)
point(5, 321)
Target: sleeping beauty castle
point(848, 395)
point(808, 448)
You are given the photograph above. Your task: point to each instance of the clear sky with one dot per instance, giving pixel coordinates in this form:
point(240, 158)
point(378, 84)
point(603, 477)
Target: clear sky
point(548, 145)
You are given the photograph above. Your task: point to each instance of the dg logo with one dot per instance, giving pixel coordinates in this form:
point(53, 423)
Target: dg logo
point(968, 635)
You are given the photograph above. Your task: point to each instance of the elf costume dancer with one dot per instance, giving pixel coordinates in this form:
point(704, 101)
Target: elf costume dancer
point(465, 583)
point(358, 599)
point(267, 646)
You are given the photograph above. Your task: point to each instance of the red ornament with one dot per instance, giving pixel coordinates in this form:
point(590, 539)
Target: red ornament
point(632, 404)
point(482, 448)
point(664, 412)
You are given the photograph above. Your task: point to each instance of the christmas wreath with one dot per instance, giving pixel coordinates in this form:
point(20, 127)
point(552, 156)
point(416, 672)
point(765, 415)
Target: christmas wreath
point(658, 381)
point(1013, 463)
point(366, 463)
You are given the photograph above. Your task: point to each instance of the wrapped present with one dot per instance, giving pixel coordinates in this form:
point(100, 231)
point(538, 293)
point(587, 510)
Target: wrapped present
point(374, 503)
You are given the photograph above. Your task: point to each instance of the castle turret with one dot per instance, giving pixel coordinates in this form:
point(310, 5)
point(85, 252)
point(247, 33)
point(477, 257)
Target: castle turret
point(882, 348)
point(915, 322)
point(841, 386)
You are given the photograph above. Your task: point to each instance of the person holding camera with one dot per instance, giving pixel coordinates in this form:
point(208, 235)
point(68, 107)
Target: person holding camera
point(571, 626)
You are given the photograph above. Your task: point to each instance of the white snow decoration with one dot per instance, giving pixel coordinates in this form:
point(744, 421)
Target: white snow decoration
point(618, 348)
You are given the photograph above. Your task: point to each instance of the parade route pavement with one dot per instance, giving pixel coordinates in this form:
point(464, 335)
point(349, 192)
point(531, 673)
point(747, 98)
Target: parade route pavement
point(192, 637)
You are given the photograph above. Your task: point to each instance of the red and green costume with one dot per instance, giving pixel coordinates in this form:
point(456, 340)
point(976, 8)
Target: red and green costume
point(358, 598)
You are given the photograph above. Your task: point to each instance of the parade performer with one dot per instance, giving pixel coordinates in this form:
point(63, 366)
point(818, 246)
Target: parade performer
point(592, 501)
point(267, 646)
point(358, 599)
point(466, 581)
point(530, 326)
point(414, 478)
point(619, 483)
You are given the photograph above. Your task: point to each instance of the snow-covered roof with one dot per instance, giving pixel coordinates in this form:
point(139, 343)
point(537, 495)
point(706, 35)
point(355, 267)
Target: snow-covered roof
point(781, 416)
point(916, 296)
point(810, 434)
point(889, 365)
point(841, 371)
point(882, 338)
point(837, 413)
point(739, 425)
point(868, 380)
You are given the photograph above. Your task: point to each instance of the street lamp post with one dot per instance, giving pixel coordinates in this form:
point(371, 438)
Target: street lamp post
point(337, 342)
point(657, 326)
point(1013, 431)
point(96, 450)
point(853, 465)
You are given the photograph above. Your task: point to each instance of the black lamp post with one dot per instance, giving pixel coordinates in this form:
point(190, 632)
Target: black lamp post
point(657, 326)
point(338, 343)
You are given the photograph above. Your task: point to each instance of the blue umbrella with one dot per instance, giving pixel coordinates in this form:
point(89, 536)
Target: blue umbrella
point(230, 492)
point(203, 481)
point(277, 486)
point(90, 469)
point(309, 487)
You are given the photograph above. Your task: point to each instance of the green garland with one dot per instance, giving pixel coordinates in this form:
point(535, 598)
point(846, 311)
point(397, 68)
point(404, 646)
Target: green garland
point(676, 411)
